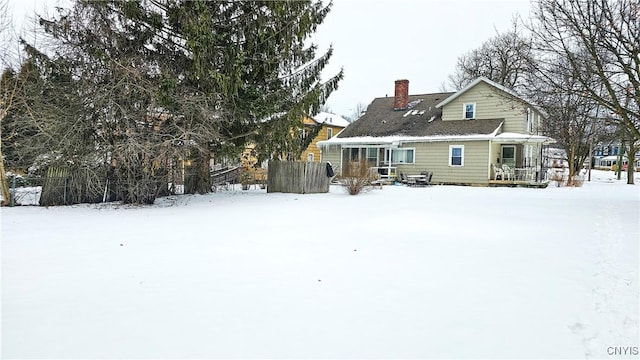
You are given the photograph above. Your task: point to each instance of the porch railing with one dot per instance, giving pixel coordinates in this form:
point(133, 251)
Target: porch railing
point(385, 172)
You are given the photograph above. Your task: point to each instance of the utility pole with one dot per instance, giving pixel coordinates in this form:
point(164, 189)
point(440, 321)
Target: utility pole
point(590, 158)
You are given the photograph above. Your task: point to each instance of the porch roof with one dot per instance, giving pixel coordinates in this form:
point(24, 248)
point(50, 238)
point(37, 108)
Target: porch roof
point(523, 138)
point(395, 141)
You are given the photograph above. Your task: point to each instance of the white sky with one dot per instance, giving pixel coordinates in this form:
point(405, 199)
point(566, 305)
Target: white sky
point(380, 41)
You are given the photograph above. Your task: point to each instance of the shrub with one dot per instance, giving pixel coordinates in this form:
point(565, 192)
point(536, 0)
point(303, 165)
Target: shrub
point(558, 177)
point(245, 177)
point(577, 180)
point(357, 177)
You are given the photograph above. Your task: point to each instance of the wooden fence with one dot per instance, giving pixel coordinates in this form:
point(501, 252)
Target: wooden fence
point(297, 177)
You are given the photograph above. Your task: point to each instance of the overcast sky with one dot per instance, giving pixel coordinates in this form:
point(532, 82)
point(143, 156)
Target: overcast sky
point(380, 41)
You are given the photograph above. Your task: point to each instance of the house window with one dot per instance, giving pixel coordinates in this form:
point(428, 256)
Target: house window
point(529, 120)
point(372, 156)
point(470, 111)
point(329, 133)
point(310, 157)
point(456, 155)
point(509, 155)
point(402, 156)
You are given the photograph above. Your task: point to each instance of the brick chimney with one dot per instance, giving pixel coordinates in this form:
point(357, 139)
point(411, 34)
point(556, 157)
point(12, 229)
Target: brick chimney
point(401, 100)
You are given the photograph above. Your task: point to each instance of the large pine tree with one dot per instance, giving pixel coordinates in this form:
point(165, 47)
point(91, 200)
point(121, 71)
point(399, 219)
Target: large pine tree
point(166, 79)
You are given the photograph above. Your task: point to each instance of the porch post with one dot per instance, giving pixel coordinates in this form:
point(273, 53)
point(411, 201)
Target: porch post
point(389, 166)
point(490, 161)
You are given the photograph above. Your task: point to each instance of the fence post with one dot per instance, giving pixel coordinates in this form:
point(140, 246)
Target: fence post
point(12, 194)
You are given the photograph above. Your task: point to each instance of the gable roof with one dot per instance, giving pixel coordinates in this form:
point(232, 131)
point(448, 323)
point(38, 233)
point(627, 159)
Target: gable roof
point(490, 83)
point(422, 118)
point(330, 119)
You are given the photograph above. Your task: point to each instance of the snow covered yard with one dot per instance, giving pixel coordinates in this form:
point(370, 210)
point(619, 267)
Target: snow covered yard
point(438, 272)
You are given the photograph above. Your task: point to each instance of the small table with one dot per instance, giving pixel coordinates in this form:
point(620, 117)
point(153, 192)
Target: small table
point(415, 179)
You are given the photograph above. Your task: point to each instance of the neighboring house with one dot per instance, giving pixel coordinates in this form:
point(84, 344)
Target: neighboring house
point(463, 137)
point(331, 125)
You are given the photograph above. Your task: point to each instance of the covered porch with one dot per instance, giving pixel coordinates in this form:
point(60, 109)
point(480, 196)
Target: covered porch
point(517, 160)
point(382, 157)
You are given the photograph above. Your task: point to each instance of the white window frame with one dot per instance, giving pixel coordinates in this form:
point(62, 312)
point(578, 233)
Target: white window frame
point(329, 133)
point(529, 120)
point(464, 111)
point(461, 147)
point(310, 157)
point(413, 156)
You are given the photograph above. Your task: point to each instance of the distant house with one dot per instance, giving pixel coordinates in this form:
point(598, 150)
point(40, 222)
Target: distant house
point(330, 126)
point(480, 135)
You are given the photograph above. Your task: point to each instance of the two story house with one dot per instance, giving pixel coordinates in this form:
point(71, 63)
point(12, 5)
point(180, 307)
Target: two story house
point(330, 125)
point(480, 135)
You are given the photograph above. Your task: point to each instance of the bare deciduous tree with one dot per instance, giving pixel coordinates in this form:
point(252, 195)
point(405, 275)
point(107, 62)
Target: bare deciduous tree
point(357, 111)
point(505, 58)
point(599, 41)
point(573, 120)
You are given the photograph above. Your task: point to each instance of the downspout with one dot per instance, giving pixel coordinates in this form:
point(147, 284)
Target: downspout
point(341, 159)
point(490, 160)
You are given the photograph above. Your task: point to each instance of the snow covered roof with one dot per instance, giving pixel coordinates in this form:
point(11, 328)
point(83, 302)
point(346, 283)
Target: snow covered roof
point(522, 138)
point(397, 140)
point(330, 119)
point(382, 120)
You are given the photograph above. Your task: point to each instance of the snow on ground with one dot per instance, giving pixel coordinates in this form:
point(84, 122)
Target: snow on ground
point(437, 272)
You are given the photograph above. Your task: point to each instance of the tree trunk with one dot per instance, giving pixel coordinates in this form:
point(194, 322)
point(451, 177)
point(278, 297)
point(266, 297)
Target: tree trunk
point(203, 174)
point(631, 165)
point(6, 195)
point(572, 166)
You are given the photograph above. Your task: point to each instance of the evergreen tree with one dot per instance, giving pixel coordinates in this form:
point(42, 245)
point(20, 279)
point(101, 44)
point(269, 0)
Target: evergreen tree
point(166, 79)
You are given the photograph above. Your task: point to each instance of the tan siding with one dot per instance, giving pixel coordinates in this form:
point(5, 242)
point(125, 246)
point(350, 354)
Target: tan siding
point(435, 157)
point(333, 156)
point(490, 104)
point(313, 146)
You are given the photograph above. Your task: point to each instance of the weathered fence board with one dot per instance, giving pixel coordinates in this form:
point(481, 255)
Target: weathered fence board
point(297, 177)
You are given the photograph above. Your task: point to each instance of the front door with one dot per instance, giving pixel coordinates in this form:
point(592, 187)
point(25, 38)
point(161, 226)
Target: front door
point(508, 155)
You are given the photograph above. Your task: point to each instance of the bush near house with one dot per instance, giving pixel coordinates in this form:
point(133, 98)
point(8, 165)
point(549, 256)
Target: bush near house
point(356, 177)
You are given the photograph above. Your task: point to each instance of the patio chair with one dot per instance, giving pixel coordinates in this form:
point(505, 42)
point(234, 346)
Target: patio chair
point(403, 179)
point(497, 172)
point(508, 172)
point(411, 181)
point(427, 178)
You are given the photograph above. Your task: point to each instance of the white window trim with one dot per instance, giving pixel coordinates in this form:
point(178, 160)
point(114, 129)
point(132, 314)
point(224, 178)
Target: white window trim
point(529, 120)
point(464, 111)
point(451, 147)
point(413, 158)
point(310, 157)
point(329, 133)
